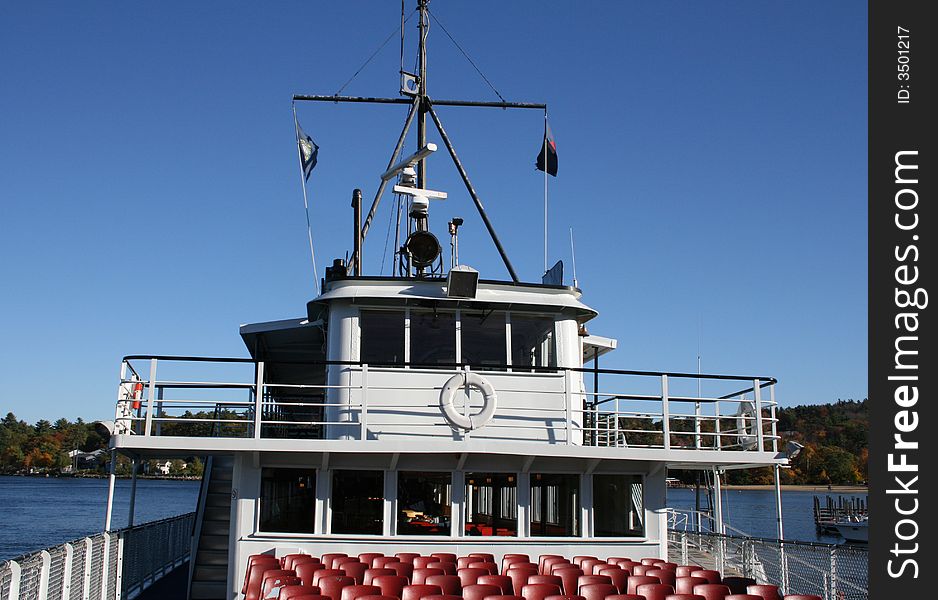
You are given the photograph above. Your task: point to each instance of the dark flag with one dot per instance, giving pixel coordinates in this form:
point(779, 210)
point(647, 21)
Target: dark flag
point(309, 151)
point(547, 159)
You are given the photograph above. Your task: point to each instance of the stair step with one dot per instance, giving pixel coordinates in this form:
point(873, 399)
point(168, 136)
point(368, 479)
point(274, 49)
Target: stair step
point(213, 542)
point(215, 528)
point(208, 590)
point(212, 558)
point(217, 513)
point(211, 573)
point(215, 499)
point(220, 487)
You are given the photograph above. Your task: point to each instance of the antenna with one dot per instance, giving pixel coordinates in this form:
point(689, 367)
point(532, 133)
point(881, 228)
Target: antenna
point(573, 257)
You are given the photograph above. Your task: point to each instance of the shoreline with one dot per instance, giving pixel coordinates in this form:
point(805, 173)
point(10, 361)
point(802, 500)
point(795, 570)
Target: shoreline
point(102, 476)
point(834, 489)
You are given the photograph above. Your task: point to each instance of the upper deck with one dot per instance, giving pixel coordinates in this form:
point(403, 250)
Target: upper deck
point(381, 365)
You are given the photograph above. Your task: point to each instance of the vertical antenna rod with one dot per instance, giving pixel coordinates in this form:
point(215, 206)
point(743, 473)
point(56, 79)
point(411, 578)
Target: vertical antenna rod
point(422, 93)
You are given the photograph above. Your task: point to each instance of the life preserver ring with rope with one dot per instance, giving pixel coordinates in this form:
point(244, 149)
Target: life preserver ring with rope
point(472, 380)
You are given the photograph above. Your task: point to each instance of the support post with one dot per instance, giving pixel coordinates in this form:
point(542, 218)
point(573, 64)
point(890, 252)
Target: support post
point(258, 399)
point(760, 435)
point(111, 478)
point(46, 562)
point(133, 491)
point(151, 396)
point(357, 231)
point(718, 501)
point(780, 529)
point(68, 559)
point(364, 401)
point(665, 413)
point(472, 193)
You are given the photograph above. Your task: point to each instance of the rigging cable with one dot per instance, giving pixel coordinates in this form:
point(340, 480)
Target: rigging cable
point(375, 53)
point(471, 62)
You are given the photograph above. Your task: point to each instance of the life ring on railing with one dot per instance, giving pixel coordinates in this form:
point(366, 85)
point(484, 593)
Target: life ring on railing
point(746, 426)
point(473, 380)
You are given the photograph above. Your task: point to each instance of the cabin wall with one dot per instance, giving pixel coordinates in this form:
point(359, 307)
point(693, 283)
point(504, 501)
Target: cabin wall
point(247, 539)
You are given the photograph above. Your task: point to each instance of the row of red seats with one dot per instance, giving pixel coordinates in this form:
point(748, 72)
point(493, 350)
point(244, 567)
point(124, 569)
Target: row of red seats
point(444, 576)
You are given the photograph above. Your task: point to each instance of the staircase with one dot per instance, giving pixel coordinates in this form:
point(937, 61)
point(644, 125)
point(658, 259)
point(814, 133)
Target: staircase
point(208, 571)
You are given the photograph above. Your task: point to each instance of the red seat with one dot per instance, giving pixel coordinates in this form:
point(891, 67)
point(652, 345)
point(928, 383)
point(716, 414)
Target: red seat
point(305, 571)
point(686, 570)
point(664, 576)
point(651, 561)
point(743, 597)
point(625, 597)
point(449, 584)
point(547, 566)
point(402, 569)
point(378, 598)
point(328, 558)
point(637, 580)
point(540, 591)
point(448, 568)
point(802, 597)
point(551, 579)
point(655, 591)
point(588, 564)
point(332, 585)
point(286, 561)
point(738, 585)
point(355, 570)
point(444, 557)
point(273, 583)
point(297, 591)
point(382, 562)
point(578, 560)
point(370, 574)
point(543, 557)
point(254, 577)
point(564, 597)
point(591, 579)
point(442, 597)
point(519, 577)
point(667, 566)
point(640, 569)
point(420, 575)
point(598, 591)
point(416, 592)
point(510, 559)
point(463, 561)
point(480, 591)
point(470, 576)
point(391, 585)
point(489, 566)
point(502, 581)
point(505, 597)
point(618, 576)
point(320, 573)
point(710, 575)
point(523, 565)
point(421, 562)
point(369, 557)
point(569, 577)
point(483, 555)
point(406, 557)
point(686, 585)
point(354, 592)
point(712, 591)
point(766, 592)
point(684, 597)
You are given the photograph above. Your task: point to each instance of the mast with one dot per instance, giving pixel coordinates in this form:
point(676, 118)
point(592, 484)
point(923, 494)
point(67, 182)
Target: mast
point(422, 103)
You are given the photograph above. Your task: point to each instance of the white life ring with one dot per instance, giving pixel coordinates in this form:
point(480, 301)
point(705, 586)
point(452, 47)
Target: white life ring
point(746, 426)
point(448, 393)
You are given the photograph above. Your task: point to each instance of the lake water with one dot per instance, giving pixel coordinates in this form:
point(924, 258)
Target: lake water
point(39, 512)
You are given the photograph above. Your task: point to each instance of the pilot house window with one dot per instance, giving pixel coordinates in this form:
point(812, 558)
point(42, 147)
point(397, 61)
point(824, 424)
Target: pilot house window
point(432, 338)
point(382, 337)
point(532, 341)
point(483, 338)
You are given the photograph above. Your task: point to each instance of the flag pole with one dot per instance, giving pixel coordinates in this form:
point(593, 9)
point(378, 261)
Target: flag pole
point(545, 189)
point(309, 229)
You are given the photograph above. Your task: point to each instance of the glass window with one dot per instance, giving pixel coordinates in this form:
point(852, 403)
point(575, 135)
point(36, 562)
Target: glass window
point(423, 503)
point(491, 504)
point(555, 504)
point(482, 336)
point(358, 502)
point(382, 336)
point(532, 341)
point(432, 338)
point(288, 500)
point(618, 508)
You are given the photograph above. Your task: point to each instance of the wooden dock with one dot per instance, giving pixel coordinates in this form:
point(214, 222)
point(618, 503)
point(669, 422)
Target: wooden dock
point(831, 510)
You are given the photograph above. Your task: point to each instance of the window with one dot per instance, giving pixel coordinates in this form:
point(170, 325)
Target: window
point(432, 338)
point(382, 337)
point(358, 502)
point(423, 503)
point(555, 504)
point(288, 500)
point(618, 508)
point(532, 341)
point(491, 504)
point(482, 335)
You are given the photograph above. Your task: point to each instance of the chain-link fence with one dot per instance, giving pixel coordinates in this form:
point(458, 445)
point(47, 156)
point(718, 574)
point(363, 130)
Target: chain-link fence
point(107, 566)
point(834, 572)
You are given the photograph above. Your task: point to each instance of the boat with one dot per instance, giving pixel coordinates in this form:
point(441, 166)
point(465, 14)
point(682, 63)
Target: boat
point(440, 415)
point(856, 529)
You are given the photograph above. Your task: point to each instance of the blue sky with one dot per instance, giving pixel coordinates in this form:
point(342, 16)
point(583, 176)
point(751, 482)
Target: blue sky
point(712, 166)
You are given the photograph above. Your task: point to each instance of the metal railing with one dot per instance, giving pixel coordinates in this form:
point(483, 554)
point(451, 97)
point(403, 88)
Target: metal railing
point(597, 407)
point(112, 565)
point(834, 572)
